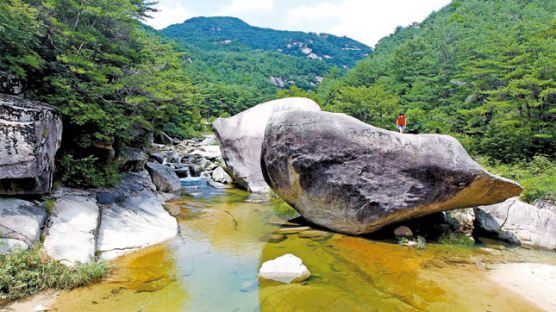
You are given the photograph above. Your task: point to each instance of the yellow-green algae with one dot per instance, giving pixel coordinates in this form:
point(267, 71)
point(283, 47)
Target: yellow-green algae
point(213, 266)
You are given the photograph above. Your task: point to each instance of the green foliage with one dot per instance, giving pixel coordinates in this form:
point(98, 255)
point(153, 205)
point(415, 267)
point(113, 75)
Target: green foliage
point(113, 81)
point(228, 33)
point(537, 177)
point(86, 172)
point(421, 243)
point(482, 70)
point(457, 239)
point(25, 272)
point(402, 240)
point(49, 205)
point(295, 91)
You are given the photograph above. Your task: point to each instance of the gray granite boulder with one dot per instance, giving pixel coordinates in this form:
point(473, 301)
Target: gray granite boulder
point(518, 223)
point(21, 221)
point(240, 138)
point(72, 227)
point(341, 173)
point(164, 178)
point(133, 159)
point(7, 245)
point(219, 175)
point(30, 135)
point(133, 220)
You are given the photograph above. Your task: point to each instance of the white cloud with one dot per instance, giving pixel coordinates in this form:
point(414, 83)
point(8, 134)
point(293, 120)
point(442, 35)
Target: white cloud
point(363, 20)
point(170, 12)
point(240, 7)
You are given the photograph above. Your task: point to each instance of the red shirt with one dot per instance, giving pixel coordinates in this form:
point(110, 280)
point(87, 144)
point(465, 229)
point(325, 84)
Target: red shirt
point(401, 120)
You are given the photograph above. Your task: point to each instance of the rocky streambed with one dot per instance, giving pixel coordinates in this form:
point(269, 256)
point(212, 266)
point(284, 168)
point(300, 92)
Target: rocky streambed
point(226, 234)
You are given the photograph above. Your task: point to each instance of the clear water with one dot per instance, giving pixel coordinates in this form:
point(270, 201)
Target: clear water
point(225, 236)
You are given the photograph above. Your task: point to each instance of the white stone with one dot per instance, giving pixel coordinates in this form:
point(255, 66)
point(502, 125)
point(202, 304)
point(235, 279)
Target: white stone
point(138, 222)
point(21, 220)
point(519, 222)
point(71, 231)
point(210, 152)
point(241, 136)
point(285, 269)
point(8, 244)
point(221, 176)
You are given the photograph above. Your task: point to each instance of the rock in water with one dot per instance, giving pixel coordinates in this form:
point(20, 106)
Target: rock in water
point(30, 135)
point(341, 173)
point(240, 139)
point(285, 269)
point(164, 178)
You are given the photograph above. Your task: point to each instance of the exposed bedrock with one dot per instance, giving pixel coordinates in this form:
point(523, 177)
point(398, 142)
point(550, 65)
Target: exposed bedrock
point(30, 135)
point(241, 135)
point(351, 177)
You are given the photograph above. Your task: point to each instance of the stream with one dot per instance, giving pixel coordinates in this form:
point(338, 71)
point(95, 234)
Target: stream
point(226, 234)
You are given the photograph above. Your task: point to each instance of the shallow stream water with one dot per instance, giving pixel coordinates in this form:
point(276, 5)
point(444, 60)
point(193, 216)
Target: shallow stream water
point(226, 234)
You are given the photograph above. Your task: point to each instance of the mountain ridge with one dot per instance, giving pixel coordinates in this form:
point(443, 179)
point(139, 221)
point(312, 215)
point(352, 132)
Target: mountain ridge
point(231, 32)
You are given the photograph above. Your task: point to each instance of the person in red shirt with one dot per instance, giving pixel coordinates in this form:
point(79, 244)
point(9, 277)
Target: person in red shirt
point(400, 123)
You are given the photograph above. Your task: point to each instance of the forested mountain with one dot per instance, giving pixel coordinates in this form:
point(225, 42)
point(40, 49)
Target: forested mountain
point(484, 70)
point(227, 50)
point(230, 34)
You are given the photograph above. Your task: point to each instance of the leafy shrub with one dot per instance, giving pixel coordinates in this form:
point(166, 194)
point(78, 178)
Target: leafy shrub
point(25, 272)
point(458, 239)
point(86, 172)
point(538, 177)
point(421, 243)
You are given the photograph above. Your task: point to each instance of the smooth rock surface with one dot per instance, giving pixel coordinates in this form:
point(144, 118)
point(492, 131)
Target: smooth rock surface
point(134, 221)
point(519, 223)
point(30, 135)
point(132, 159)
point(164, 178)
point(21, 220)
point(221, 176)
point(9, 244)
point(341, 173)
point(241, 135)
point(285, 269)
point(72, 229)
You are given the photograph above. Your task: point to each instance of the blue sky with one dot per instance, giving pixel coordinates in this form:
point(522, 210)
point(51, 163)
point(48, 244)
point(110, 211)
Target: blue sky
point(363, 20)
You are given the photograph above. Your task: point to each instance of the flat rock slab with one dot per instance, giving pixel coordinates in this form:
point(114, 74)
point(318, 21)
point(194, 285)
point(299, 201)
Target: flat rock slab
point(519, 223)
point(21, 220)
point(285, 269)
point(134, 222)
point(72, 229)
point(241, 135)
point(346, 175)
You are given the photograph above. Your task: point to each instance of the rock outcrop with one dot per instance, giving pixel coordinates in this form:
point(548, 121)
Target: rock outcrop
point(341, 173)
point(20, 223)
point(72, 228)
point(164, 178)
point(240, 139)
point(518, 223)
point(285, 269)
point(133, 217)
point(30, 135)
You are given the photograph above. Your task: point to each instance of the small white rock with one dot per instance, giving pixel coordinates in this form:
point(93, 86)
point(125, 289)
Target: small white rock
point(285, 269)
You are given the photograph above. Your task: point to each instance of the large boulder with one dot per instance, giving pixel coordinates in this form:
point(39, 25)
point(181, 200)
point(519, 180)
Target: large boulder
point(30, 135)
point(351, 177)
point(72, 228)
point(241, 136)
point(518, 223)
point(164, 178)
point(133, 217)
point(20, 222)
